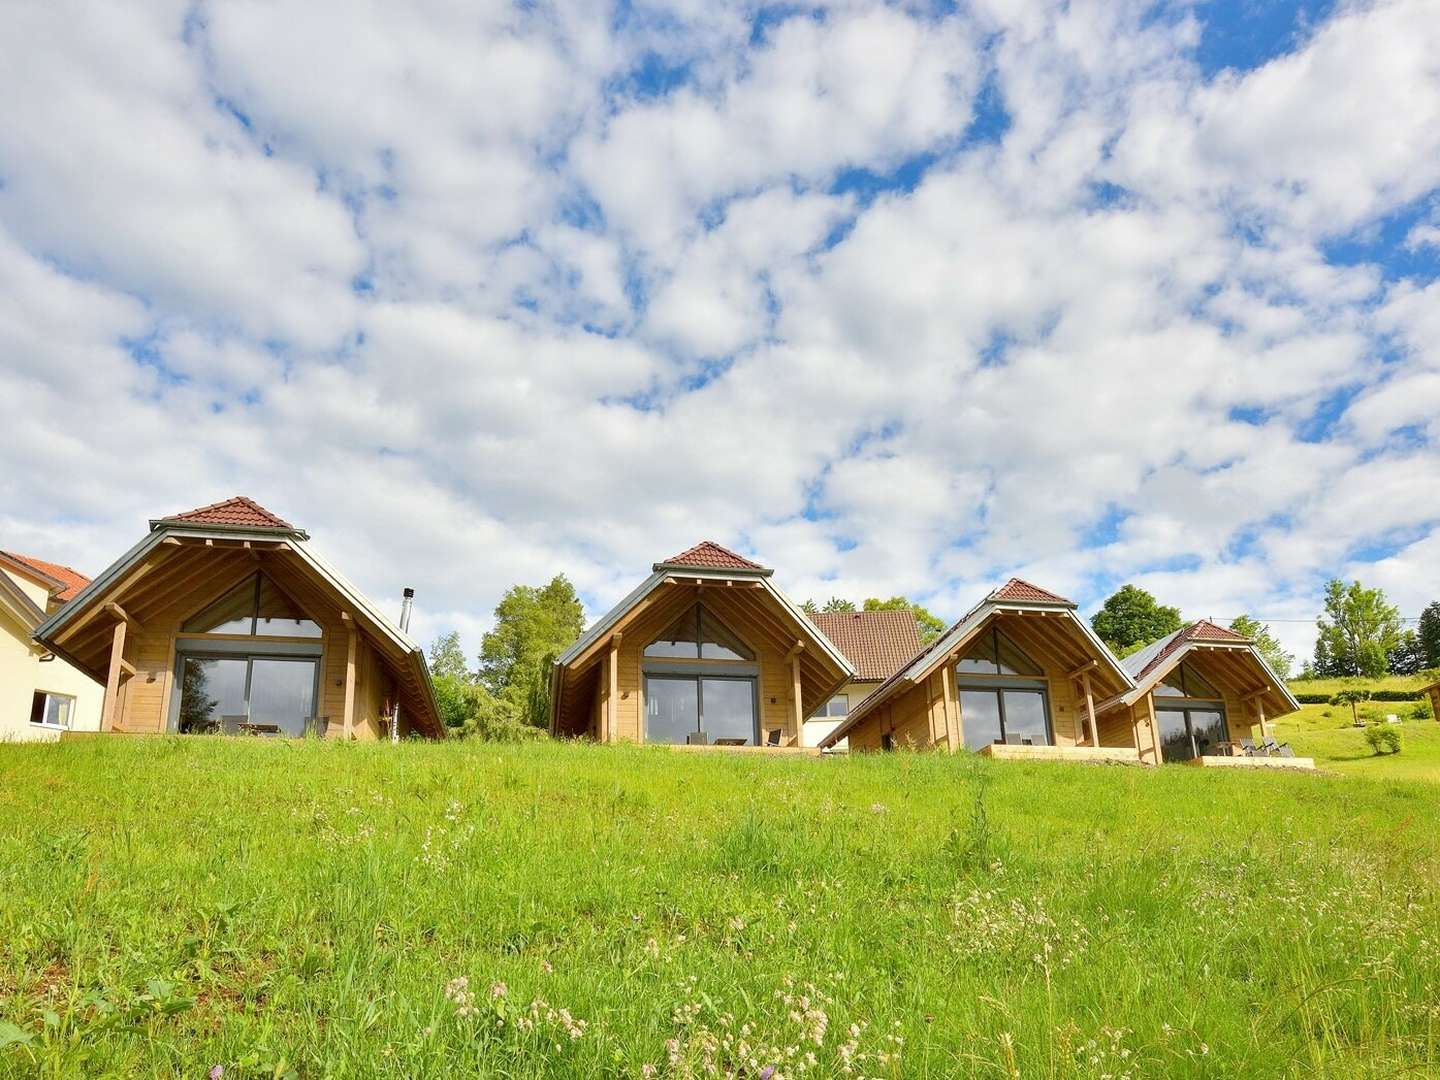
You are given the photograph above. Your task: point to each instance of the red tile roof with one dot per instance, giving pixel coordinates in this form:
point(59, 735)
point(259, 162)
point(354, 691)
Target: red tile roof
point(710, 556)
point(1022, 591)
point(237, 511)
point(71, 581)
point(877, 643)
point(1201, 630)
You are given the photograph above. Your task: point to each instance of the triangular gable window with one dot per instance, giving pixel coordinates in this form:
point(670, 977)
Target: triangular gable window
point(1184, 681)
point(696, 635)
point(256, 607)
point(992, 653)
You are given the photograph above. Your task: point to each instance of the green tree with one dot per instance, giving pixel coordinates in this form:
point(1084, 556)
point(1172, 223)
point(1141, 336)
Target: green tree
point(1351, 698)
point(1408, 655)
point(1131, 618)
point(1430, 634)
point(532, 623)
point(1356, 632)
point(1279, 660)
point(447, 658)
point(929, 624)
point(836, 603)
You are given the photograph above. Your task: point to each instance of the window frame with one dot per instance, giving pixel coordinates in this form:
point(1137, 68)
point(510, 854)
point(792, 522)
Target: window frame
point(998, 684)
point(196, 647)
point(69, 700)
point(671, 674)
point(826, 714)
point(256, 579)
point(700, 612)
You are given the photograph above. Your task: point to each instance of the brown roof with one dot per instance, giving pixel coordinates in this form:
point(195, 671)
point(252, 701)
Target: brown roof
point(877, 643)
point(237, 511)
point(1018, 589)
point(71, 581)
point(710, 556)
point(1151, 657)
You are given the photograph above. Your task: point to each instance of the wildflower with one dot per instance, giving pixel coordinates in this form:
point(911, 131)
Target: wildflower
point(216, 1072)
point(498, 990)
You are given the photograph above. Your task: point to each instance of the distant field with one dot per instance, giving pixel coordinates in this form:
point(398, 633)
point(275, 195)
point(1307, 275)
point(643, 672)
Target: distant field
point(1388, 682)
point(1335, 743)
point(300, 909)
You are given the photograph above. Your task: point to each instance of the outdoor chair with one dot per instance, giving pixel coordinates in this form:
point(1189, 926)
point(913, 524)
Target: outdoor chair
point(731, 742)
point(1248, 746)
point(697, 738)
point(1270, 747)
point(1285, 751)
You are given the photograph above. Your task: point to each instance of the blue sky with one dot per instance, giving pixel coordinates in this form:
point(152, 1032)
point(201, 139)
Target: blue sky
point(897, 298)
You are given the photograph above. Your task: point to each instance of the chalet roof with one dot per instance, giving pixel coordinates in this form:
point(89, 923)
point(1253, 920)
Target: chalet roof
point(236, 512)
point(877, 643)
point(1141, 664)
point(711, 556)
point(68, 581)
point(1021, 590)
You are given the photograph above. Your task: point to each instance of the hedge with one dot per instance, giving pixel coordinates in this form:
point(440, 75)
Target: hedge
point(1377, 695)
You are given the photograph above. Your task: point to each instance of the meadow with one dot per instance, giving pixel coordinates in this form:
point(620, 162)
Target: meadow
point(321, 909)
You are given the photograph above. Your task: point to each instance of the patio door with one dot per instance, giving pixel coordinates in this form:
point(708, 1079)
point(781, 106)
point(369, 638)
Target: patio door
point(1017, 715)
point(1188, 732)
point(263, 695)
point(679, 706)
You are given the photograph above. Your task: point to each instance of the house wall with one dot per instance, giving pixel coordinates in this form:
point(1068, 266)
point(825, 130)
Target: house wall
point(775, 682)
point(817, 727)
point(22, 673)
point(917, 718)
point(1134, 726)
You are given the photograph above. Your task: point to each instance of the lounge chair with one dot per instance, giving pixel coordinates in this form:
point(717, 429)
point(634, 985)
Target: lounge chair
point(1248, 746)
point(1285, 751)
point(1270, 747)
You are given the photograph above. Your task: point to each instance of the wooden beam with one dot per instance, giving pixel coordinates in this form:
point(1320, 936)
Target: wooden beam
point(112, 682)
point(612, 697)
point(1090, 706)
point(799, 714)
point(127, 669)
point(952, 709)
point(115, 611)
point(348, 725)
point(1089, 665)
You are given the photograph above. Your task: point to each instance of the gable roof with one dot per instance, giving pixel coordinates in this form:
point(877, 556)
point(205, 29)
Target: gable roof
point(709, 555)
point(1015, 595)
point(236, 512)
point(67, 581)
point(1141, 664)
point(877, 643)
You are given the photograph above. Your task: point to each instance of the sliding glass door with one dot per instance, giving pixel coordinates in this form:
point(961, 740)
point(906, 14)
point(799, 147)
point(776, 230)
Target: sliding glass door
point(1189, 732)
point(680, 706)
point(1005, 715)
point(259, 695)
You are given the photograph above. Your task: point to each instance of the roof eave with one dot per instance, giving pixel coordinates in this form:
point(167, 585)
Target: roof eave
point(175, 524)
point(687, 568)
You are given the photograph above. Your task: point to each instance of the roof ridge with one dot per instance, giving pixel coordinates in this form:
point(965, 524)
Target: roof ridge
point(711, 555)
point(236, 510)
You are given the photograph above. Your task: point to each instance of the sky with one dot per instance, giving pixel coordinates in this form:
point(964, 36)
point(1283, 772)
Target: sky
point(898, 298)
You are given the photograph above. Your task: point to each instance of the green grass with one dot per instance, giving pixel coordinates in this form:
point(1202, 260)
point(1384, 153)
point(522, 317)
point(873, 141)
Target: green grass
point(172, 904)
point(1327, 733)
point(1386, 682)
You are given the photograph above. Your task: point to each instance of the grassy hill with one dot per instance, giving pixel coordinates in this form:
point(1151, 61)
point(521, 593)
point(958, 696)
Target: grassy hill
point(1328, 733)
point(309, 909)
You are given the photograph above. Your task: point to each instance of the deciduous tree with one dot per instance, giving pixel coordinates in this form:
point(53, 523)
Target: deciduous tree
point(533, 624)
point(1357, 631)
point(1279, 660)
point(929, 624)
point(1132, 617)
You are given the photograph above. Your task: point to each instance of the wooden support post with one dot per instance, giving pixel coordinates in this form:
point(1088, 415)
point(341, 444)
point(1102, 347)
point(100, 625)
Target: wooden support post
point(1260, 712)
point(112, 683)
point(612, 696)
point(1090, 708)
point(348, 725)
point(1154, 731)
point(798, 715)
point(952, 709)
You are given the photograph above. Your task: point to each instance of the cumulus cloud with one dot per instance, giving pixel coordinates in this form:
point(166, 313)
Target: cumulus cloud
point(897, 301)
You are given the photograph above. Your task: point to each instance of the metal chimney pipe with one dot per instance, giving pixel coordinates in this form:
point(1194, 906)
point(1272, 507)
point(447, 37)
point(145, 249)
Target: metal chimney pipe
point(406, 602)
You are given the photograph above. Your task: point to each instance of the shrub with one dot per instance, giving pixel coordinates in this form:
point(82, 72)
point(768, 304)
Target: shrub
point(1383, 740)
point(1422, 711)
point(1375, 695)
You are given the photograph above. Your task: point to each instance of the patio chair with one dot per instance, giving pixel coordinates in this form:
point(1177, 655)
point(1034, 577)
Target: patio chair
point(697, 738)
point(773, 736)
point(1270, 746)
point(731, 741)
point(1285, 751)
point(1248, 746)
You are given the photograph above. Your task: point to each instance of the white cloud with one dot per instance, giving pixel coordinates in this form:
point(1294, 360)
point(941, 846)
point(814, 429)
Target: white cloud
point(476, 299)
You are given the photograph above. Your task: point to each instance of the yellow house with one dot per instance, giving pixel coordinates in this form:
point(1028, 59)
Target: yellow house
point(40, 694)
point(1019, 675)
point(706, 651)
point(1198, 695)
point(224, 620)
point(877, 644)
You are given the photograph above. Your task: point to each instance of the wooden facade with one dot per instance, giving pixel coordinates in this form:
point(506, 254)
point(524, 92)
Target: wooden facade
point(1250, 694)
point(598, 690)
point(125, 632)
point(927, 713)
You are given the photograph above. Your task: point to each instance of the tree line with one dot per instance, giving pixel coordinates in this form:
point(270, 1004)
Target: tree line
point(1359, 632)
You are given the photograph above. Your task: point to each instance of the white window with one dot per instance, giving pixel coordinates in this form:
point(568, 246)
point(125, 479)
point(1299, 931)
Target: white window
point(839, 705)
point(51, 710)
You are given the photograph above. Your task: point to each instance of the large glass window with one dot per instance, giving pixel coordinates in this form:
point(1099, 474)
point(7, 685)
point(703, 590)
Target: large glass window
point(1184, 681)
point(679, 706)
point(698, 635)
point(837, 706)
point(1187, 733)
point(256, 695)
point(992, 653)
point(256, 607)
point(1015, 715)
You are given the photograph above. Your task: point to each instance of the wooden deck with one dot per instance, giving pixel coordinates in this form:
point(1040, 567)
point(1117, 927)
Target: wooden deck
point(794, 751)
point(1108, 755)
point(1301, 763)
